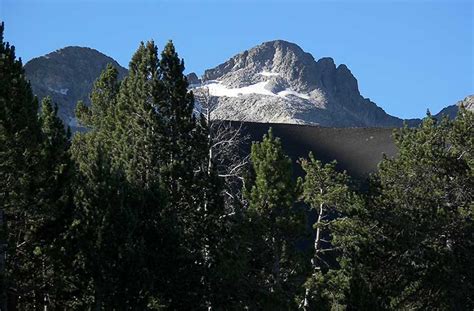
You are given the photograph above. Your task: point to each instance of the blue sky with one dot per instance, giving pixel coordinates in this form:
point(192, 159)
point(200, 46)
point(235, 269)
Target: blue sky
point(407, 55)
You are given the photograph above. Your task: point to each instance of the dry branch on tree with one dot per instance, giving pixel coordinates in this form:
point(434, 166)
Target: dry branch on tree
point(225, 142)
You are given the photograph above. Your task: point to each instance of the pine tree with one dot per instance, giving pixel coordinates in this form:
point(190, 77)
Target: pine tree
point(176, 108)
point(108, 260)
point(421, 210)
point(116, 230)
point(195, 191)
point(35, 176)
point(138, 123)
point(138, 152)
point(338, 232)
point(100, 116)
point(19, 148)
point(153, 130)
point(55, 206)
point(277, 226)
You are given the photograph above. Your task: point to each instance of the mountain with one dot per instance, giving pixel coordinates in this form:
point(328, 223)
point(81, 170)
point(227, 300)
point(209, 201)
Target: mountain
point(278, 82)
point(67, 75)
point(452, 110)
point(273, 82)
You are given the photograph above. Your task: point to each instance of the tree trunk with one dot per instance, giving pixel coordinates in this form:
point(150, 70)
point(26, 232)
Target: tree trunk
point(317, 239)
point(314, 260)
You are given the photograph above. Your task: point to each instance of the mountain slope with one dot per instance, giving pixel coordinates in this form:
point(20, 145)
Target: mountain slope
point(357, 150)
point(67, 75)
point(278, 82)
point(451, 111)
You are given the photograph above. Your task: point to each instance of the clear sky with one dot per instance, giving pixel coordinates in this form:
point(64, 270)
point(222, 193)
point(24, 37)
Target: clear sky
point(407, 55)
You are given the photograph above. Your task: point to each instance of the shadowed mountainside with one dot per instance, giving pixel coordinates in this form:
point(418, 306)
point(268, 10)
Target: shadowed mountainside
point(67, 75)
point(357, 150)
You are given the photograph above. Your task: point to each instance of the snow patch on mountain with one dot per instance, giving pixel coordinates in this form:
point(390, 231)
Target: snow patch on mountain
point(269, 74)
point(60, 91)
point(217, 88)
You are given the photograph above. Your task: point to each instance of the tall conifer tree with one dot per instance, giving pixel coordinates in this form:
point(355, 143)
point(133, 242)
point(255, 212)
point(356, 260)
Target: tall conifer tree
point(337, 233)
point(111, 219)
point(19, 159)
point(55, 207)
point(278, 227)
point(421, 211)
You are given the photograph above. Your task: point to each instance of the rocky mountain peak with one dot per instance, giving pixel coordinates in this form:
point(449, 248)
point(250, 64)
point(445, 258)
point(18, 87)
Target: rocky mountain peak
point(277, 81)
point(467, 103)
point(67, 75)
point(269, 59)
point(284, 65)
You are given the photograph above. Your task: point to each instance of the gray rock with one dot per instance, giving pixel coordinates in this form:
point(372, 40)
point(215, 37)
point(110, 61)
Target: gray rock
point(67, 75)
point(297, 88)
point(193, 79)
point(313, 92)
point(276, 85)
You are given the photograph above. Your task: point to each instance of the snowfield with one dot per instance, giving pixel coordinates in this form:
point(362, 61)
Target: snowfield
point(216, 88)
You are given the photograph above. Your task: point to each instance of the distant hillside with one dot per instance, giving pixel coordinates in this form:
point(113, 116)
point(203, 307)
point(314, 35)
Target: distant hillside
point(67, 75)
point(357, 150)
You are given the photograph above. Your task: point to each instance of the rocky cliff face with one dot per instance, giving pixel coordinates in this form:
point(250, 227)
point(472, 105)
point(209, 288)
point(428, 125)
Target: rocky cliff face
point(278, 82)
point(67, 75)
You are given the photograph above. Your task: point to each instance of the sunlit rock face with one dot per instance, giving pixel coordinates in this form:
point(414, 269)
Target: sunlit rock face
point(278, 82)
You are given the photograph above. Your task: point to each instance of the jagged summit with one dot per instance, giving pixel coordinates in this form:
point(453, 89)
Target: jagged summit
point(277, 81)
point(278, 58)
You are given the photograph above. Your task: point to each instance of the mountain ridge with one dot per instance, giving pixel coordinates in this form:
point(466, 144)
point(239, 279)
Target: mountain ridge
point(276, 81)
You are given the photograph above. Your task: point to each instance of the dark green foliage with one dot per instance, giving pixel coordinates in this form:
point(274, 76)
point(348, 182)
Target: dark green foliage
point(107, 260)
point(54, 205)
point(276, 227)
point(100, 115)
point(143, 152)
point(19, 159)
point(138, 124)
point(131, 214)
point(34, 174)
point(143, 168)
point(338, 234)
point(421, 212)
point(116, 234)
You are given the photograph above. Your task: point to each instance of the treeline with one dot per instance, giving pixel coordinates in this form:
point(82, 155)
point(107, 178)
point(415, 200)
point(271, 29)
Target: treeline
point(134, 214)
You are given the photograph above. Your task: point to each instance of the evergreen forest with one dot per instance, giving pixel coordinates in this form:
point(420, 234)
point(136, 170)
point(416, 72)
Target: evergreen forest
point(141, 211)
